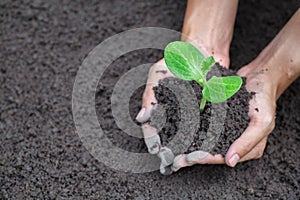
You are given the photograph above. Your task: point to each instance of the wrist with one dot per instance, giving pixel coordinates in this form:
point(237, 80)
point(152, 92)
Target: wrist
point(209, 26)
point(276, 66)
point(208, 48)
point(209, 42)
point(281, 56)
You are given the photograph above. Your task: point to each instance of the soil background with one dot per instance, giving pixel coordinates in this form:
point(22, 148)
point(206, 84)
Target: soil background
point(43, 43)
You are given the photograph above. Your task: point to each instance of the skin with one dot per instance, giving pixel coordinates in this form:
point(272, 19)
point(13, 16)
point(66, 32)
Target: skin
point(280, 64)
point(276, 67)
point(213, 40)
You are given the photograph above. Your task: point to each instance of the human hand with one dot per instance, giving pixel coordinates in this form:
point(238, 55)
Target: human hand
point(276, 67)
point(262, 107)
point(268, 76)
point(212, 35)
point(252, 142)
point(158, 71)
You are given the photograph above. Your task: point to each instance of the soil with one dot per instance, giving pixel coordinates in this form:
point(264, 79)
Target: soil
point(43, 43)
point(234, 124)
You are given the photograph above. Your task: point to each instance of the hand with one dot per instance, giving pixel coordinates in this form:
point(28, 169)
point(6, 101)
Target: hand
point(212, 35)
point(251, 144)
point(157, 72)
point(276, 67)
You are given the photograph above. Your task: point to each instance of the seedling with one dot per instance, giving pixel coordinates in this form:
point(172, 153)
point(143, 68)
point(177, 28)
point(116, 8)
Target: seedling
point(186, 62)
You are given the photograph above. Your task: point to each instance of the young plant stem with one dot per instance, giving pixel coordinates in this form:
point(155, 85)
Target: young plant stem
point(202, 104)
point(203, 100)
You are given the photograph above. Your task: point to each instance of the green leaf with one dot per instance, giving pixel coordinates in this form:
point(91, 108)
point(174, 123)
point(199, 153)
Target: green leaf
point(184, 61)
point(206, 64)
point(219, 89)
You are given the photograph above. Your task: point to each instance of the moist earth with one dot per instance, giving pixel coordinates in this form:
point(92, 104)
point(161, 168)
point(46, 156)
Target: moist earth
point(229, 123)
point(43, 43)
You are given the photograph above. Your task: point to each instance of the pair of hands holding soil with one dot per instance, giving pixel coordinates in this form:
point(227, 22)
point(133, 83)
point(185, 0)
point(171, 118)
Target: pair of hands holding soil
point(275, 68)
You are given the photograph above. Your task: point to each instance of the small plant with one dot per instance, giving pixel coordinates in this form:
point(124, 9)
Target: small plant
point(186, 62)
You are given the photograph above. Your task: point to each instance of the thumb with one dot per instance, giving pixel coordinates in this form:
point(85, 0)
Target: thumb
point(255, 132)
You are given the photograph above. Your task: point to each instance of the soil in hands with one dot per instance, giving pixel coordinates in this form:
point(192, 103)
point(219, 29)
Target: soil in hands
point(235, 123)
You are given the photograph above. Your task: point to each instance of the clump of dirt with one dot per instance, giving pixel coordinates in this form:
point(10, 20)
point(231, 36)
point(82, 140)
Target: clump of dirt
point(230, 126)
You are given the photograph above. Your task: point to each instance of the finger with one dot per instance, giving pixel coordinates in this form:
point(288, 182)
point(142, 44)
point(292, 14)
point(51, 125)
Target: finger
point(151, 138)
point(254, 133)
point(165, 170)
point(202, 157)
point(180, 162)
point(196, 157)
point(256, 152)
point(167, 157)
point(157, 72)
point(149, 103)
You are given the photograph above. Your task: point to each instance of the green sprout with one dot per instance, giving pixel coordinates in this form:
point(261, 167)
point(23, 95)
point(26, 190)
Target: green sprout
point(186, 62)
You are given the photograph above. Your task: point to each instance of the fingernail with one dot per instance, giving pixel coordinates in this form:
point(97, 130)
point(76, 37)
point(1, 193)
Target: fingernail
point(140, 114)
point(154, 149)
point(234, 160)
point(166, 155)
point(165, 170)
point(153, 143)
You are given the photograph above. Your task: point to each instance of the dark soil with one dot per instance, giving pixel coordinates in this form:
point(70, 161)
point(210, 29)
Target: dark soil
point(43, 43)
point(234, 124)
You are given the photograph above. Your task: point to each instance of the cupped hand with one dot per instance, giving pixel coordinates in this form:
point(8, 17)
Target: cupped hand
point(276, 67)
point(157, 72)
point(262, 107)
point(251, 144)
